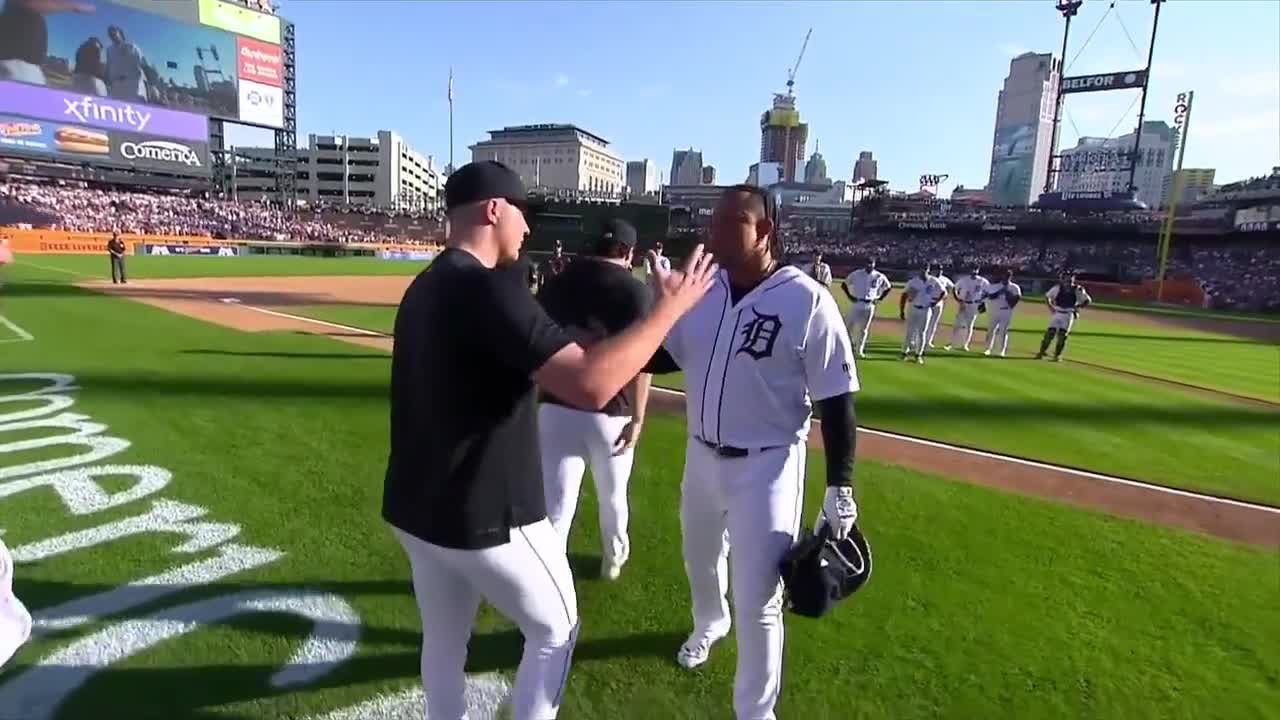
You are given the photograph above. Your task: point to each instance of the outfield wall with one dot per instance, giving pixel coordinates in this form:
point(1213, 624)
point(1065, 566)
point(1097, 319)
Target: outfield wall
point(61, 242)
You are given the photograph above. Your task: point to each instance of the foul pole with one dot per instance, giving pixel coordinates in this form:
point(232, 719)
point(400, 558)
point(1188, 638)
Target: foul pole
point(1182, 121)
point(451, 118)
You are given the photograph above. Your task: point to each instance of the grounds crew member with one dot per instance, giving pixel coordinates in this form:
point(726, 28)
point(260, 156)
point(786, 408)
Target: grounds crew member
point(463, 488)
point(1065, 301)
point(597, 297)
point(116, 249)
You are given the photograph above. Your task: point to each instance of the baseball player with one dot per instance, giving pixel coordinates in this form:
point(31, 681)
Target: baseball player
point(558, 261)
point(663, 261)
point(598, 297)
point(924, 292)
point(463, 490)
point(969, 292)
point(821, 271)
point(935, 316)
point(1065, 300)
point(15, 621)
point(763, 347)
point(1003, 296)
point(865, 287)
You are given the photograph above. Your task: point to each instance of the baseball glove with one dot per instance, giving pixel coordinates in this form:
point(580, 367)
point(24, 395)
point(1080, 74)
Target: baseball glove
point(819, 572)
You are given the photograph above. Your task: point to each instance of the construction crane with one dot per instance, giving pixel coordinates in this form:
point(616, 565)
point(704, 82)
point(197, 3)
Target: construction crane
point(791, 74)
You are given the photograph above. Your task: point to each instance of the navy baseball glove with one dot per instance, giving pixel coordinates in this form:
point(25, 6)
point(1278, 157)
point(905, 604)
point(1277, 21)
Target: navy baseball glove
point(818, 572)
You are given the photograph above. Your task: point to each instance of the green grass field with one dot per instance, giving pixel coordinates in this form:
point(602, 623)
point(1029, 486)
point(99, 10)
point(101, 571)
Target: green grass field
point(983, 604)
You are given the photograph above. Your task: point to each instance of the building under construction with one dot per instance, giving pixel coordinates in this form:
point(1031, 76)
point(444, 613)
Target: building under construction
point(782, 135)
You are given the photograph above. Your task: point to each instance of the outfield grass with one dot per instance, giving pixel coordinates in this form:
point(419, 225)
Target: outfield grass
point(80, 268)
point(983, 604)
point(1064, 414)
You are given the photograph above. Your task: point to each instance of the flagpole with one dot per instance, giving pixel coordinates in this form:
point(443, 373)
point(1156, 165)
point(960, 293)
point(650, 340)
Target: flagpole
point(450, 118)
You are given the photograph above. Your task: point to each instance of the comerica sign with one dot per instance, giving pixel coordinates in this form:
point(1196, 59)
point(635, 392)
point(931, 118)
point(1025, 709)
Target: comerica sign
point(160, 151)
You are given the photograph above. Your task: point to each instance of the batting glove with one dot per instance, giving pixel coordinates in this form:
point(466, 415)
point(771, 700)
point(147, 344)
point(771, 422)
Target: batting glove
point(839, 511)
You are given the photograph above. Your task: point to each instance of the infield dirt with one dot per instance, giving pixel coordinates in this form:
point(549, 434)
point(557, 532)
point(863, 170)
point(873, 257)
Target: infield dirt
point(248, 304)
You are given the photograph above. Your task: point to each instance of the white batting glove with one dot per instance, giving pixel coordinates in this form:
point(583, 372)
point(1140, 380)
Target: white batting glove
point(839, 511)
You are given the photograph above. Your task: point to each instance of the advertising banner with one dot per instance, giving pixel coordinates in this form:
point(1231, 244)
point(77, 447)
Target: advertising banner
point(198, 250)
point(110, 51)
point(184, 158)
point(1012, 160)
point(414, 255)
point(1123, 80)
point(240, 20)
point(100, 112)
point(259, 62)
point(261, 104)
point(76, 143)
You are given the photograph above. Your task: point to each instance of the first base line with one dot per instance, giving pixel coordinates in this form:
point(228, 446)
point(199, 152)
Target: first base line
point(915, 440)
point(22, 335)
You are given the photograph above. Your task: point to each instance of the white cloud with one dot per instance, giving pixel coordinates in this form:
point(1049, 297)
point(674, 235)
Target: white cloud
point(561, 80)
point(1256, 84)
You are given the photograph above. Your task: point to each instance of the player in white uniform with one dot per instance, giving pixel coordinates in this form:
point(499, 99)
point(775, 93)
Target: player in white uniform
point(935, 316)
point(764, 346)
point(866, 287)
point(1065, 301)
point(821, 271)
point(923, 292)
point(968, 292)
point(15, 621)
point(1003, 297)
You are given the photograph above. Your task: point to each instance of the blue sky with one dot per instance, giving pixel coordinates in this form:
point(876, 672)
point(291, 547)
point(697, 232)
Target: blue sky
point(913, 81)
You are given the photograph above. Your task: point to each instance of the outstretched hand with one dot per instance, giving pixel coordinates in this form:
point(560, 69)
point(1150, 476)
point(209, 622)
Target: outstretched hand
point(682, 289)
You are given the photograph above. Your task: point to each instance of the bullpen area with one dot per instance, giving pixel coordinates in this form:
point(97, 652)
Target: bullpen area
point(191, 474)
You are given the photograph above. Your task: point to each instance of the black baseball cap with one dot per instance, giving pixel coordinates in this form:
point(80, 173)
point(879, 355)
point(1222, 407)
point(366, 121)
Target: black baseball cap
point(484, 180)
point(619, 231)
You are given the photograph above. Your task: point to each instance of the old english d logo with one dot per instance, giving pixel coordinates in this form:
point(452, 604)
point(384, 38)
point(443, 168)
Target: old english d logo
point(759, 335)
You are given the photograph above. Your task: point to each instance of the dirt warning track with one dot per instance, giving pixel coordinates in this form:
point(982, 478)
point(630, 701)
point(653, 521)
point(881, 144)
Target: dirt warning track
point(264, 304)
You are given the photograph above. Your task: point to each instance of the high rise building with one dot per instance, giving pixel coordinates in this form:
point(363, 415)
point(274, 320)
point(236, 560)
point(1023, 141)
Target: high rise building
point(764, 174)
point(686, 167)
point(815, 171)
point(1196, 183)
point(783, 136)
point(708, 175)
point(1101, 164)
point(864, 168)
point(642, 177)
point(556, 157)
point(1021, 143)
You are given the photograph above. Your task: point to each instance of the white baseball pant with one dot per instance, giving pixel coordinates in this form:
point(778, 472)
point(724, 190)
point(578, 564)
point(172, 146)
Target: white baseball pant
point(15, 621)
point(528, 581)
point(998, 330)
point(935, 319)
point(1062, 320)
point(570, 439)
point(758, 500)
point(962, 330)
point(913, 340)
point(860, 317)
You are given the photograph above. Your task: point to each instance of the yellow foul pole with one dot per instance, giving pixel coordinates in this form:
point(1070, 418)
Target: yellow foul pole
point(1182, 121)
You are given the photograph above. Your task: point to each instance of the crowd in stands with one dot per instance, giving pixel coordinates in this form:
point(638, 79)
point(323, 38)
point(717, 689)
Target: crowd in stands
point(83, 209)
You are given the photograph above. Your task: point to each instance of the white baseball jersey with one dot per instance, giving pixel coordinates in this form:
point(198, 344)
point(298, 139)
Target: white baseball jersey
point(1082, 298)
point(924, 291)
point(972, 288)
point(867, 285)
point(753, 369)
point(822, 273)
point(946, 285)
point(1001, 302)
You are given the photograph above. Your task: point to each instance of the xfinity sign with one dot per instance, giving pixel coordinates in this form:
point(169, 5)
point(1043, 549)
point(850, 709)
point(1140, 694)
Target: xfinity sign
point(160, 151)
point(1126, 80)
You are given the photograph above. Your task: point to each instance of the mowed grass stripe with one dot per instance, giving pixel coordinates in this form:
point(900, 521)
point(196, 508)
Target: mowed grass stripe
point(983, 604)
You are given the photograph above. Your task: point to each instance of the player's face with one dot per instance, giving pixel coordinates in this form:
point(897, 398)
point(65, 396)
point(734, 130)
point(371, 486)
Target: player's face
point(739, 229)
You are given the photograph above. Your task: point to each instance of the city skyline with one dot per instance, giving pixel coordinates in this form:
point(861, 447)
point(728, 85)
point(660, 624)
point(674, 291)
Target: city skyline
point(938, 122)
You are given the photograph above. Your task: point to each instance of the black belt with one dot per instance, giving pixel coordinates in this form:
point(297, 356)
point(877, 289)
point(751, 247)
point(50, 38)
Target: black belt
point(922, 307)
point(863, 301)
point(734, 452)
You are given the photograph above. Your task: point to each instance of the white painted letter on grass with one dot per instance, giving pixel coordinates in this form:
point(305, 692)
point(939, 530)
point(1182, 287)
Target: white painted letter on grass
point(83, 495)
point(165, 516)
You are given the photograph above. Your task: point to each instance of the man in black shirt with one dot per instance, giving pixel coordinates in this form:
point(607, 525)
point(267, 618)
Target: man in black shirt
point(463, 489)
point(116, 249)
point(595, 297)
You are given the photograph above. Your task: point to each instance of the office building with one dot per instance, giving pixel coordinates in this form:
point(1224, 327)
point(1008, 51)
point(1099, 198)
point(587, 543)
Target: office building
point(556, 157)
point(382, 171)
point(764, 174)
point(1196, 183)
point(1023, 136)
point(642, 177)
point(1101, 164)
point(686, 167)
point(783, 136)
point(708, 175)
point(864, 168)
point(815, 171)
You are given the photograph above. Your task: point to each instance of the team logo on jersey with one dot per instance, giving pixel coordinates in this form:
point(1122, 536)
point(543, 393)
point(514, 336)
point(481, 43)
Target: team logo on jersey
point(759, 335)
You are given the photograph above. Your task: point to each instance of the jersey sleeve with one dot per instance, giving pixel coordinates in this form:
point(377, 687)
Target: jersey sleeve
point(828, 353)
point(512, 325)
point(1084, 296)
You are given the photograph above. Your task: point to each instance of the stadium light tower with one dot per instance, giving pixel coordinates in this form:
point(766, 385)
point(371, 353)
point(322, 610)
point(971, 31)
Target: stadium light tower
point(1069, 9)
point(1142, 105)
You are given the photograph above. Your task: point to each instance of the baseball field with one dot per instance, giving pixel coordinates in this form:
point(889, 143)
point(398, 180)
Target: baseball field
point(191, 474)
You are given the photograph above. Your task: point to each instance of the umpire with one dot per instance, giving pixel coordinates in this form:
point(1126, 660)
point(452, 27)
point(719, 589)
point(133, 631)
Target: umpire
point(463, 489)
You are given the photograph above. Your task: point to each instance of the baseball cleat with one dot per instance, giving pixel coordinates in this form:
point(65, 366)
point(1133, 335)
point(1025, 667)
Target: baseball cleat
point(610, 570)
point(919, 359)
point(1057, 358)
point(697, 649)
point(946, 347)
point(987, 353)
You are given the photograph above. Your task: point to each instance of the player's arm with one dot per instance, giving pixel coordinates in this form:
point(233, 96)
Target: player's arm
point(832, 379)
point(848, 293)
point(1084, 298)
point(1050, 296)
point(902, 302)
point(885, 288)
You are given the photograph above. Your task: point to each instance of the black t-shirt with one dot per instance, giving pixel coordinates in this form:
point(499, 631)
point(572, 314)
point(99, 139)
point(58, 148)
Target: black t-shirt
point(597, 299)
point(115, 246)
point(465, 466)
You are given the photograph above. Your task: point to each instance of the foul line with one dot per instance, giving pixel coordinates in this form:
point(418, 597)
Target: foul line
point(1047, 466)
point(23, 335)
point(51, 268)
point(914, 440)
